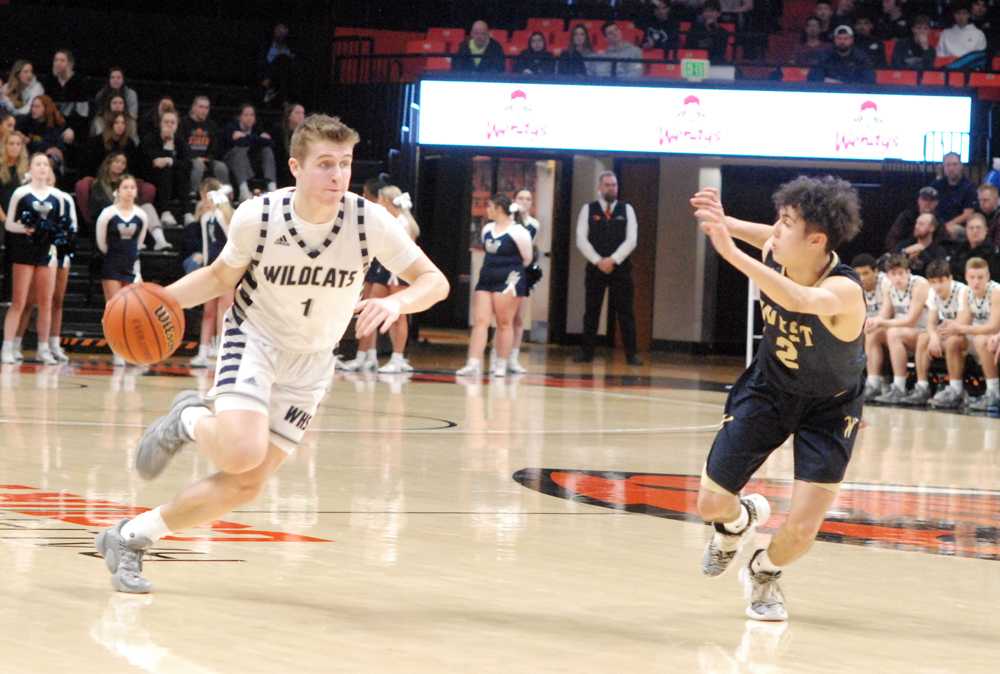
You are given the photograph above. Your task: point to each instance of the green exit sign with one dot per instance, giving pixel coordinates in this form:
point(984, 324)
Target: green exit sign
point(694, 69)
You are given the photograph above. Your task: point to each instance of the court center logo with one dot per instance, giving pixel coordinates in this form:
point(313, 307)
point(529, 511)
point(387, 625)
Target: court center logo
point(942, 521)
point(518, 117)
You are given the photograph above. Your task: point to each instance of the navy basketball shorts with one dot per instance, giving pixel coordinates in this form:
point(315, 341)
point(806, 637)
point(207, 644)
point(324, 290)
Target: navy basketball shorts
point(759, 418)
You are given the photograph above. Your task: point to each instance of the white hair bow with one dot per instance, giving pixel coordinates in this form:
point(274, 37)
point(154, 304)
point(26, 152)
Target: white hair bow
point(513, 208)
point(221, 195)
point(404, 201)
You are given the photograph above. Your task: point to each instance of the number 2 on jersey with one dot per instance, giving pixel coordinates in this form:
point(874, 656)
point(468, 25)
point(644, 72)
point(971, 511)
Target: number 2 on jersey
point(307, 306)
point(787, 353)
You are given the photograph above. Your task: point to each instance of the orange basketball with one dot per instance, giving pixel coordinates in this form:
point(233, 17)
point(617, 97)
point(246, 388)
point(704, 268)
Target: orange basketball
point(143, 324)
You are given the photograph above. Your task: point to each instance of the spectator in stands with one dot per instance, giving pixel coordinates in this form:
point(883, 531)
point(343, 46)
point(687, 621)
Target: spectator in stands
point(480, 53)
point(293, 115)
point(989, 207)
point(845, 13)
point(114, 138)
point(168, 166)
point(957, 196)
point(573, 61)
point(21, 88)
point(661, 31)
point(902, 226)
point(892, 25)
point(67, 92)
point(824, 12)
point(976, 245)
point(813, 48)
point(845, 64)
point(7, 123)
point(866, 42)
point(201, 135)
point(102, 195)
point(984, 18)
point(13, 168)
point(617, 48)
point(536, 59)
point(245, 145)
point(737, 12)
point(112, 105)
point(915, 52)
point(963, 37)
point(46, 130)
point(923, 247)
point(116, 86)
point(277, 68)
point(150, 123)
point(707, 34)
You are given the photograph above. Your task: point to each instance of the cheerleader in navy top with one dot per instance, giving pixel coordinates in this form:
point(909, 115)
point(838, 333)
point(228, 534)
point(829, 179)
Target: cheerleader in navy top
point(525, 201)
point(501, 282)
point(398, 204)
point(121, 227)
point(208, 237)
point(33, 228)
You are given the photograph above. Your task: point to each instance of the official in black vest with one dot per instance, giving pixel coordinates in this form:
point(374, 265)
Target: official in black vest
point(606, 234)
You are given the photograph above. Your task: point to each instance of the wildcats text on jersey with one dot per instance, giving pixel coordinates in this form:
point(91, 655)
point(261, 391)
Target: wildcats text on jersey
point(294, 275)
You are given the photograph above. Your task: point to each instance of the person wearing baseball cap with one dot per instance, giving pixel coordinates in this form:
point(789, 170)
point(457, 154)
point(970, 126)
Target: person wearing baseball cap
point(845, 64)
point(902, 226)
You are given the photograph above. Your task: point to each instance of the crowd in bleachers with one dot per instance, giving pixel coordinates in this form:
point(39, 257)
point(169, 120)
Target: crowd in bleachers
point(933, 294)
point(888, 41)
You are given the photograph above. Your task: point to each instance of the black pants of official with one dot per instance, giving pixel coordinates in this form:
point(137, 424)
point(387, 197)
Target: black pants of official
point(620, 304)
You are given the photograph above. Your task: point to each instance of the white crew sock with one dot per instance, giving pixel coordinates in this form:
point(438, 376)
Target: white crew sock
point(957, 386)
point(43, 347)
point(474, 362)
point(993, 386)
point(54, 343)
point(923, 384)
point(397, 357)
point(16, 343)
point(500, 364)
point(203, 350)
point(8, 346)
point(372, 355)
point(514, 353)
point(762, 562)
point(899, 382)
point(737, 525)
point(190, 417)
point(149, 525)
point(874, 380)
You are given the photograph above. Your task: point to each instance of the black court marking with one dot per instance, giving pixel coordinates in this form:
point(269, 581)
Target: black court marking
point(445, 423)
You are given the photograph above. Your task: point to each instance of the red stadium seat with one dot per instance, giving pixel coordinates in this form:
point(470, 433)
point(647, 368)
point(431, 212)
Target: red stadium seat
point(500, 36)
point(426, 47)
point(995, 66)
point(546, 27)
point(450, 36)
point(933, 78)
point(904, 77)
point(943, 61)
point(987, 85)
point(956, 79)
point(794, 74)
point(522, 37)
point(665, 71)
point(692, 54)
point(437, 63)
point(890, 46)
point(684, 26)
point(934, 37)
point(560, 41)
point(653, 55)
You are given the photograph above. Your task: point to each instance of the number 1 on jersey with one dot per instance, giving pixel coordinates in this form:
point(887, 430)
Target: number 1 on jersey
point(307, 307)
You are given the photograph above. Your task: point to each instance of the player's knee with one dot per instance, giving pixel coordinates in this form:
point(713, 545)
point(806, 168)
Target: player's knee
point(713, 507)
point(246, 487)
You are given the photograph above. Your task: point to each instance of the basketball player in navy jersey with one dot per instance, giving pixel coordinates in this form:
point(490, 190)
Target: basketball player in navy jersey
point(806, 379)
point(297, 259)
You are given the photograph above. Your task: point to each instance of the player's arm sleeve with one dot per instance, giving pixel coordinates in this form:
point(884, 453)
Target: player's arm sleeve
point(13, 224)
point(244, 233)
point(522, 237)
point(631, 236)
point(101, 230)
point(582, 232)
point(391, 244)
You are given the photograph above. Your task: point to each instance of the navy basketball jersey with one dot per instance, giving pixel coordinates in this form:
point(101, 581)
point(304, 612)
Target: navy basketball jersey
point(800, 355)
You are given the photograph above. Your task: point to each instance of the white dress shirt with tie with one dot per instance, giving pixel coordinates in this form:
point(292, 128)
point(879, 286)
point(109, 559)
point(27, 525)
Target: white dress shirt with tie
point(583, 231)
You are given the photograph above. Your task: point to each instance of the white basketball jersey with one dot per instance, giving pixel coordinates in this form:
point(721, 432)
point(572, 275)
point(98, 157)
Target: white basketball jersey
point(980, 308)
point(873, 299)
point(947, 309)
point(302, 297)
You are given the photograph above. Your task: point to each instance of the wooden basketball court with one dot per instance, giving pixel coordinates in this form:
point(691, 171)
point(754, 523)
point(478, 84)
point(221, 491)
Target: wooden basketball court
point(538, 524)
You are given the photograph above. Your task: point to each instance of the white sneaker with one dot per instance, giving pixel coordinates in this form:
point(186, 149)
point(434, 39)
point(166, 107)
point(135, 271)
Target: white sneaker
point(405, 364)
point(370, 365)
point(60, 355)
point(201, 360)
point(766, 600)
point(18, 356)
point(514, 367)
point(163, 245)
point(7, 357)
point(168, 219)
point(470, 370)
point(117, 361)
point(355, 364)
point(45, 357)
point(500, 370)
point(392, 367)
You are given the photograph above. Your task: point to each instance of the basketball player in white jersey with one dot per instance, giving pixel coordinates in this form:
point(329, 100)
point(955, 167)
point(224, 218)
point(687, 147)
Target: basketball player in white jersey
point(904, 317)
point(297, 259)
point(874, 283)
point(943, 303)
point(978, 318)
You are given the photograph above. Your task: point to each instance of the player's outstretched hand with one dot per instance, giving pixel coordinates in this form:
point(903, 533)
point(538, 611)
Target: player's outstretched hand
point(712, 220)
point(707, 198)
point(376, 313)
